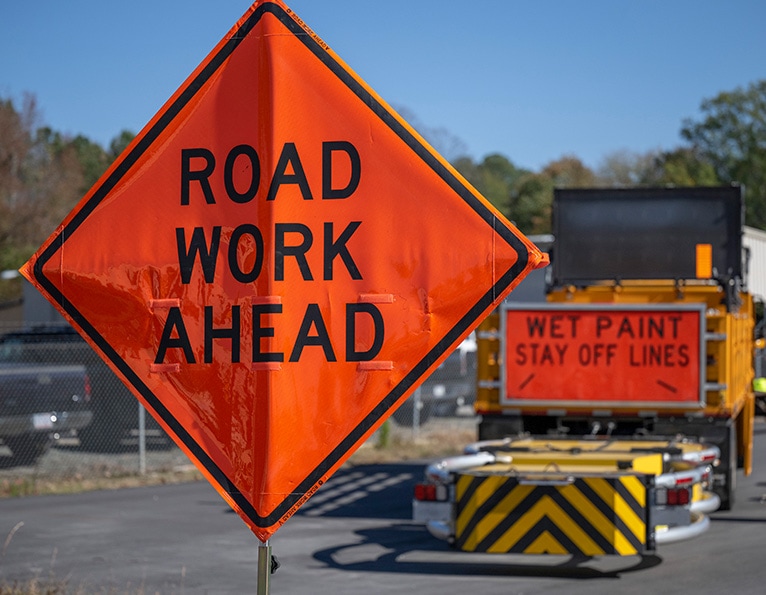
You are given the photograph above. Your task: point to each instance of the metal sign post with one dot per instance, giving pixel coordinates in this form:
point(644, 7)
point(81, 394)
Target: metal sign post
point(264, 567)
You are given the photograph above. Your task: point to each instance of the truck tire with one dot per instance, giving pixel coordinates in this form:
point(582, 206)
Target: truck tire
point(728, 490)
point(27, 448)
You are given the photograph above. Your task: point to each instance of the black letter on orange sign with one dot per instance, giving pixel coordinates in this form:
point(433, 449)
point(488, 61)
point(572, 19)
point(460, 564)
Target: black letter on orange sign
point(535, 326)
point(356, 169)
point(255, 173)
point(221, 333)
point(352, 355)
point(289, 156)
point(200, 175)
point(299, 251)
point(338, 248)
point(207, 256)
point(264, 331)
point(174, 321)
point(602, 324)
point(313, 318)
point(683, 355)
point(236, 271)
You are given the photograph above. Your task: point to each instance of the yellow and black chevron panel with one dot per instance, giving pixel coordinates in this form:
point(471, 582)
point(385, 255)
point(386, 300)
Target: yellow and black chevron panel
point(586, 516)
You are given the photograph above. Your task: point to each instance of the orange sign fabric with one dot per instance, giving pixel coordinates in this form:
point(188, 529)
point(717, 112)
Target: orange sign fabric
point(604, 354)
point(275, 262)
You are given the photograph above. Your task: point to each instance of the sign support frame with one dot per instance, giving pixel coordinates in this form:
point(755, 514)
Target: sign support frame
point(264, 568)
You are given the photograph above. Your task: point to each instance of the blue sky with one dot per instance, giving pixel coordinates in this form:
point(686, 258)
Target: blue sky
point(532, 80)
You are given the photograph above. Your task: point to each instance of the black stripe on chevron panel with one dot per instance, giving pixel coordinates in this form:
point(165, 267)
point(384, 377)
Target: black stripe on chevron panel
point(473, 485)
point(640, 511)
point(630, 500)
point(545, 524)
point(610, 513)
point(526, 505)
point(590, 494)
point(584, 523)
point(513, 517)
point(484, 509)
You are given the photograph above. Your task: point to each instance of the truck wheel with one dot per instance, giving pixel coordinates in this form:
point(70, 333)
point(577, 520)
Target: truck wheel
point(727, 491)
point(27, 448)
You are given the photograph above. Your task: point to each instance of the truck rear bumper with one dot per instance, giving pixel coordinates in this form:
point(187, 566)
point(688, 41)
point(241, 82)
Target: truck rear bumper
point(699, 524)
point(44, 422)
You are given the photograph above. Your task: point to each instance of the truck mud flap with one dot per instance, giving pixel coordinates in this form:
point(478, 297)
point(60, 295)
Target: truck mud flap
point(568, 515)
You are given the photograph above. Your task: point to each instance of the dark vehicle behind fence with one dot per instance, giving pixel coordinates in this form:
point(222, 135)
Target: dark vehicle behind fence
point(115, 410)
point(39, 402)
point(449, 388)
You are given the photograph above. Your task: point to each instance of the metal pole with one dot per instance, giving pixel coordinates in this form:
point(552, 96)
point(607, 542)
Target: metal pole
point(264, 567)
point(141, 439)
point(416, 405)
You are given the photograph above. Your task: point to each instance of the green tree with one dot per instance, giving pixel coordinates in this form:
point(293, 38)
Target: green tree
point(569, 172)
point(732, 136)
point(534, 192)
point(497, 178)
point(21, 181)
point(522, 195)
point(532, 201)
point(119, 144)
point(680, 167)
point(626, 168)
point(92, 160)
point(42, 176)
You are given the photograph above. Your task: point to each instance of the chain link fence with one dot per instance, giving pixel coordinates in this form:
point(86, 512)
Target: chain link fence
point(450, 391)
point(56, 394)
point(65, 414)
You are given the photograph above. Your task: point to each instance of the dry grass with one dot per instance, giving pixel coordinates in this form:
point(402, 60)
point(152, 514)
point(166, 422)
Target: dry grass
point(37, 486)
point(390, 444)
point(404, 445)
point(56, 587)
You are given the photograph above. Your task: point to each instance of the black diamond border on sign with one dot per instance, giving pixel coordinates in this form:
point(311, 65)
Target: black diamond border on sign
point(406, 383)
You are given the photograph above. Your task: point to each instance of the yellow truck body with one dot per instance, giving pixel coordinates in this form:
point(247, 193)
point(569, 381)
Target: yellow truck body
point(635, 337)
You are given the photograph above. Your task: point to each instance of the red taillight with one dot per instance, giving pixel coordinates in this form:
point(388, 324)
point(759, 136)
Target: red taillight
point(674, 496)
point(425, 492)
point(431, 492)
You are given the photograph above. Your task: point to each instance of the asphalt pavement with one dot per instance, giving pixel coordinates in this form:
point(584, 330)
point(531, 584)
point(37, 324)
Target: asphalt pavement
point(353, 536)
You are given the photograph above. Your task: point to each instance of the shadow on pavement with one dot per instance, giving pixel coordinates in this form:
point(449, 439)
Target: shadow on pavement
point(384, 491)
point(407, 548)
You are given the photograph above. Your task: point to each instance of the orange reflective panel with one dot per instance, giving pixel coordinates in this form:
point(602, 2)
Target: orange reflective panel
point(610, 355)
point(275, 262)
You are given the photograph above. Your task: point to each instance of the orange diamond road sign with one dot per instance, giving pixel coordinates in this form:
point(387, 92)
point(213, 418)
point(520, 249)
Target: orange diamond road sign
point(275, 263)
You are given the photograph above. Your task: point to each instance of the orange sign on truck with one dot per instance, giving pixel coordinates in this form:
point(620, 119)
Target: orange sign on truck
point(275, 262)
point(630, 355)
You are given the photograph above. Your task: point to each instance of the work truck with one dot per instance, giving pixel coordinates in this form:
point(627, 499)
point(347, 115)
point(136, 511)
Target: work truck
point(644, 342)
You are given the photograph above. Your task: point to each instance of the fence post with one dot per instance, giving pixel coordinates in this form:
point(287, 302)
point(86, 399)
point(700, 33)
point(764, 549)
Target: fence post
point(416, 405)
point(141, 439)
